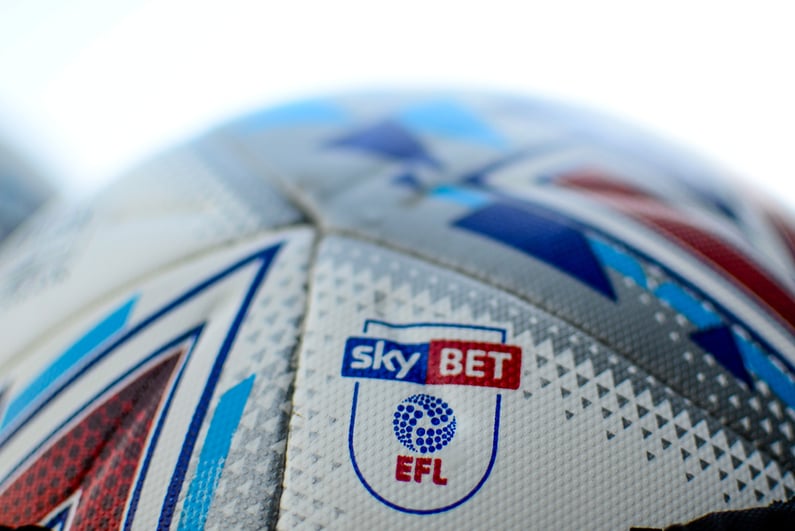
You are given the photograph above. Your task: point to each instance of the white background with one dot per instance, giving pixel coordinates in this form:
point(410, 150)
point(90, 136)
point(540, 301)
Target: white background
point(89, 86)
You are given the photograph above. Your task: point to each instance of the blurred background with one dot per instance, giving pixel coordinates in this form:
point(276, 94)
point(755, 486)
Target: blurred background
point(87, 87)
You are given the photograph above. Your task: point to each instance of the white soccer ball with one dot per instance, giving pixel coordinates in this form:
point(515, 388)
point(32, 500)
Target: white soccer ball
point(400, 311)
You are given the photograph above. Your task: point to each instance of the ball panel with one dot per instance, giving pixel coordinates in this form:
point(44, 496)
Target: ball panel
point(577, 283)
point(226, 324)
point(595, 222)
point(246, 493)
point(173, 208)
point(586, 430)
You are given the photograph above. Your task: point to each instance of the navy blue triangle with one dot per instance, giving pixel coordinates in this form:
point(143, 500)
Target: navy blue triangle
point(541, 234)
point(58, 521)
point(408, 180)
point(387, 139)
point(714, 201)
point(722, 206)
point(478, 176)
point(719, 341)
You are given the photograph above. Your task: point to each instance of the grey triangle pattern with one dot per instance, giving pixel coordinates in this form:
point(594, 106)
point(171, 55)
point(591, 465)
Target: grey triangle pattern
point(459, 295)
point(357, 195)
point(249, 488)
point(568, 372)
point(745, 415)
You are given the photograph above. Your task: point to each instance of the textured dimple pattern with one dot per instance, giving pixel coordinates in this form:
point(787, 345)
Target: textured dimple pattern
point(587, 429)
point(429, 209)
point(97, 457)
point(414, 199)
point(250, 488)
point(130, 447)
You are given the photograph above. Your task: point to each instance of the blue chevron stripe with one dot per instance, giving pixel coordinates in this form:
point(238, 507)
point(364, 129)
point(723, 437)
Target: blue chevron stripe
point(460, 195)
point(687, 305)
point(621, 262)
point(453, 120)
point(764, 368)
point(543, 235)
point(213, 455)
point(68, 360)
point(387, 139)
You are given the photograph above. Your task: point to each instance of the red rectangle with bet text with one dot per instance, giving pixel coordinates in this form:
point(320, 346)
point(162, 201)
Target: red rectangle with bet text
point(474, 363)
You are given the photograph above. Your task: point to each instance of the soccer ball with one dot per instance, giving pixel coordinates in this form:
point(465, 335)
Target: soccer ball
point(401, 311)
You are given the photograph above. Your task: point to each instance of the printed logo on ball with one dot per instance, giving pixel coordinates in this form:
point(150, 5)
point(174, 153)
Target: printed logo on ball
point(425, 411)
point(440, 361)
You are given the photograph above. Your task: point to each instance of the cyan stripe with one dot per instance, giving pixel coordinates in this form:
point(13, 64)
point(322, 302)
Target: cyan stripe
point(73, 355)
point(462, 196)
point(687, 305)
point(759, 364)
point(452, 120)
point(213, 455)
point(621, 262)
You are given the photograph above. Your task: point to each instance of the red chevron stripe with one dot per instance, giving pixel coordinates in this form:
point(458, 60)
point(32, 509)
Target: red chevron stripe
point(678, 227)
point(99, 455)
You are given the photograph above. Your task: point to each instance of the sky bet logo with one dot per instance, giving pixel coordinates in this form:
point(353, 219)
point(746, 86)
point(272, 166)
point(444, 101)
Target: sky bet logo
point(444, 442)
point(440, 361)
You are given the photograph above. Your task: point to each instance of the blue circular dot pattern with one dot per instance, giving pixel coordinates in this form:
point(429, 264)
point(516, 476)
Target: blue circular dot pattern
point(423, 423)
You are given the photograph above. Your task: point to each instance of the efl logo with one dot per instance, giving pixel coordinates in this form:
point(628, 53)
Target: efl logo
point(424, 424)
point(440, 361)
point(445, 441)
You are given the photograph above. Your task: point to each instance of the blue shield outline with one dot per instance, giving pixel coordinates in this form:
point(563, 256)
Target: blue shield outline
point(392, 505)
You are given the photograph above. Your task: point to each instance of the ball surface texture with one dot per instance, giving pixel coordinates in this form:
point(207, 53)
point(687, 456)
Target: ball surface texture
point(401, 311)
